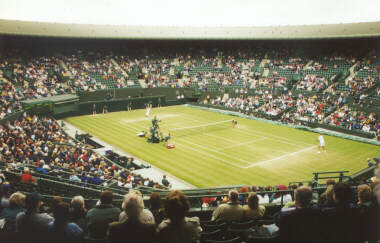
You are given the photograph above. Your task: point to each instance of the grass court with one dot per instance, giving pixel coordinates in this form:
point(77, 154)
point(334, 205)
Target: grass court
point(209, 152)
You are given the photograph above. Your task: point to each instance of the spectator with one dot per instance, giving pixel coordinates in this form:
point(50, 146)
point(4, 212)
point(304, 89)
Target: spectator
point(231, 211)
point(339, 223)
point(53, 203)
point(4, 195)
point(132, 228)
point(156, 207)
point(368, 215)
point(178, 227)
point(78, 212)
point(323, 197)
point(74, 177)
point(26, 177)
point(300, 224)
point(32, 225)
point(98, 218)
point(60, 230)
point(146, 215)
point(282, 197)
point(326, 199)
point(165, 181)
point(41, 169)
point(253, 210)
point(16, 205)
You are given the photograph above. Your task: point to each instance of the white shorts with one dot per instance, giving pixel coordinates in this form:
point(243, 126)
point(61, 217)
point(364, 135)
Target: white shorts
point(322, 144)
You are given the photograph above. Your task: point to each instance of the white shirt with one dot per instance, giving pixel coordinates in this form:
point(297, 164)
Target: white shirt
point(321, 140)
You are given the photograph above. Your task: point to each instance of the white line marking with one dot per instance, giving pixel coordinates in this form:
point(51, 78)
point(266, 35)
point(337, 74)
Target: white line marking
point(267, 135)
point(203, 125)
point(280, 157)
point(215, 151)
point(243, 143)
point(212, 156)
point(148, 119)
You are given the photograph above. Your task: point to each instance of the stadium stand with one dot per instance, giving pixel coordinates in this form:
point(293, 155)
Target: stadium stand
point(41, 161)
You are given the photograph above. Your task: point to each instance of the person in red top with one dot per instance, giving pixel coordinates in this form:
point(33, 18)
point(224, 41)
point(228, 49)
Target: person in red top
point(27, 177)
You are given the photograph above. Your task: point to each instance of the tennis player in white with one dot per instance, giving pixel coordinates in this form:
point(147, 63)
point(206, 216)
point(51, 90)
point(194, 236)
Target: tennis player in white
point(148, 107)
point(321, 140)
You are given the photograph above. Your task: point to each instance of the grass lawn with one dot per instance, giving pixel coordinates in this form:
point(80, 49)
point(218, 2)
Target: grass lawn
point(254, 153)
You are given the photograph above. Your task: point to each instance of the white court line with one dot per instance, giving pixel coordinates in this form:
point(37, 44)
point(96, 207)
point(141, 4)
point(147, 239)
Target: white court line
point(243, 143)
point(148, 118)
point(267, 135)
point(280, 157)
point(215, 151)
point(210, 155)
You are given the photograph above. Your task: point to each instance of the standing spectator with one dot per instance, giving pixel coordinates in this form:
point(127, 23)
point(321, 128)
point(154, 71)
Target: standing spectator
point(132, 228)
point(98, 218)
point(231, 211)
point(32, 225)
point(16, 205)
point(60, 230)
point(94, 109)
point(26, 177)
point(301, 223)
point(252, 210)
point(78, 212)
point(178, 227)
point(165, 181)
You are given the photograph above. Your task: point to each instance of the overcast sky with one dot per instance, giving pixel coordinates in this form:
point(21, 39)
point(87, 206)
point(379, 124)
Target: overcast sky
point(193, 12)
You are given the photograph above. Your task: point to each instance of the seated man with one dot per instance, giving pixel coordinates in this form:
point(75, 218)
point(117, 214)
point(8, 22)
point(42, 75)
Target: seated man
point(340, 222)
point(98, 218)
point(300, 223)
point(32, 224)
point(231, 211)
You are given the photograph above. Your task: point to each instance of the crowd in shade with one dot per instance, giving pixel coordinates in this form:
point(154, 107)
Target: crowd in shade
point(40, 145)
point(339, 214)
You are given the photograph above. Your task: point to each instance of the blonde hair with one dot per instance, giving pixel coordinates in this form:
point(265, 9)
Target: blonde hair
point(17, 199)
point(133, 205)
point(77, 202)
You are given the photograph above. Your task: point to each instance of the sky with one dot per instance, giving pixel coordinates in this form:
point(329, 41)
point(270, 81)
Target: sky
point(194, 13)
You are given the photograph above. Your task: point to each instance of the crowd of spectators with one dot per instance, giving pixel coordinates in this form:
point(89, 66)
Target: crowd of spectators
point(337, 215)
point(40, 144)
point(354, 120)
point(311, 109)
point(313, 82)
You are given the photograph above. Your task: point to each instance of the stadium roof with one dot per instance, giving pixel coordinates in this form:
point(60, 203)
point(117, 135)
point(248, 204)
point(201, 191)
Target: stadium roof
point(196, 19)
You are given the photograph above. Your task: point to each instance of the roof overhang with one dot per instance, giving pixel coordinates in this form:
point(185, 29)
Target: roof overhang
point(354, 30)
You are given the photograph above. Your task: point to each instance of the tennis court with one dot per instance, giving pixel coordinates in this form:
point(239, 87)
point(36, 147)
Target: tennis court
point(210, 152)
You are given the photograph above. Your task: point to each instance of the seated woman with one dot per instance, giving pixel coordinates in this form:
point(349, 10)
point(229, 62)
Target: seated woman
point(16, 205)
point(132, 229)
point(252, 210)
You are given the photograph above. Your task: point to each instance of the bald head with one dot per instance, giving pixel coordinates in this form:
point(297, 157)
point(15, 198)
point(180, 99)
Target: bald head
point(303, 196)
